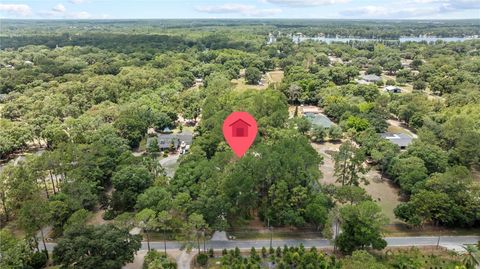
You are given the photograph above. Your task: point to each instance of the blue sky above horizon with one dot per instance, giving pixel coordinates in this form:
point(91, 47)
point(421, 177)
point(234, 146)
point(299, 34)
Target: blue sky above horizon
point(307, 9)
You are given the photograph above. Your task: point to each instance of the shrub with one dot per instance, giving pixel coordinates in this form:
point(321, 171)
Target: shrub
point(318, 134)
point(264, 252)
point(211, 254)
point(335, 132)
point(109, 215)
point(155, 259)
point(377, 70)
point(390, 82)
point(419, 85)
point(38, 260)
point(202, 259)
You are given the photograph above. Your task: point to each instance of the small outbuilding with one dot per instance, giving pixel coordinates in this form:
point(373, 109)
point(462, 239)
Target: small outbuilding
point(393, 89)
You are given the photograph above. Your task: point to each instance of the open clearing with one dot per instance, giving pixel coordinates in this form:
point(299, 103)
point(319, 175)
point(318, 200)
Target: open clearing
point(381, 190)
point(275, 76)
point(241, 85)
point(271, 77)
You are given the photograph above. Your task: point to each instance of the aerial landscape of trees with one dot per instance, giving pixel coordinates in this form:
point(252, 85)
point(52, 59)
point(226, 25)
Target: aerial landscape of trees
point(77, 106)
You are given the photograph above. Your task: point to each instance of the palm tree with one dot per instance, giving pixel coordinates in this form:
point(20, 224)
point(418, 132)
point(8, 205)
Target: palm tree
point(470, 259)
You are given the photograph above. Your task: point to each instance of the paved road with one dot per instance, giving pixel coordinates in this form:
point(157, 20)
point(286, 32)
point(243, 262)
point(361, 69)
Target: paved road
point(319, 243)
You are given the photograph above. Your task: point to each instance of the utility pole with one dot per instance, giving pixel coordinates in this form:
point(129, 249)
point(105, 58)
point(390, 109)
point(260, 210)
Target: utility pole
point(438, 241)
point(270, 228)
point(203, 233)
point(335, 236)
point(164, 242)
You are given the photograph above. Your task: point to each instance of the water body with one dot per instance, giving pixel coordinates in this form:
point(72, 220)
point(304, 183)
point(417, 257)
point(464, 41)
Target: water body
point(428, 39)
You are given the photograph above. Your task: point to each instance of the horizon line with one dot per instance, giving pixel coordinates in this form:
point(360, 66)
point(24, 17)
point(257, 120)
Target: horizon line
point(239, 18)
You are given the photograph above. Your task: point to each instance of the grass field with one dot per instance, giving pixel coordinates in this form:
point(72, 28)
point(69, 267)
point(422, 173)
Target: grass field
point(384, 192)
point(270, 78)
point(275, 76)
point(241, 85)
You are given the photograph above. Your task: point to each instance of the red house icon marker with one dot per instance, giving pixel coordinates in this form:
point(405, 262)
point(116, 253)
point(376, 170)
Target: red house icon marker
point(240, 128)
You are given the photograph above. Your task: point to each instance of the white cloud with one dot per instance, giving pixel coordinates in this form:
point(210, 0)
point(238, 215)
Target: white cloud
point(59, 8)
point(244, 10)
point(411, 9)
point(78, 1)
point(67, 15)
point(80, 15)
point(16, 9)
point(460, 5)
point(388, 13)
point(305, 3)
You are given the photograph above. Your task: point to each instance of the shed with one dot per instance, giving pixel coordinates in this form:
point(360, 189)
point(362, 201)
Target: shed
point(393, 89)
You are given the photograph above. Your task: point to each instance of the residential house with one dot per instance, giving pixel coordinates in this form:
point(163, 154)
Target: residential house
point(179, 141)
point(371, 78)
point(400, 139)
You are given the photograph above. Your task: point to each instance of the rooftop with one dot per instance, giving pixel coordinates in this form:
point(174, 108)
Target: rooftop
point(400, 139)
point(164, 140)
point(371, 77)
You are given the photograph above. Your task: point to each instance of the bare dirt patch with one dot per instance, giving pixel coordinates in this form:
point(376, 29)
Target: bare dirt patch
point(384, 192)
point(327, 167)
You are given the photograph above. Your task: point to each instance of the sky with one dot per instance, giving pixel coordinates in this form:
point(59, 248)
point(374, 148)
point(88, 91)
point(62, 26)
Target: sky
point(307, 9)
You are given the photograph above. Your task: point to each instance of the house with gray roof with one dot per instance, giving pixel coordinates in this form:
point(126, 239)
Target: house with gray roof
point(400, 139)
point(371, 78)
point(180, 141)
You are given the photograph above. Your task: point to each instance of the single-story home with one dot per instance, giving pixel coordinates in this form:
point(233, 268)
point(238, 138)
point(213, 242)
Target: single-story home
point(181, 141)
point(371, 78)
point(393, 89)
point(400, 139)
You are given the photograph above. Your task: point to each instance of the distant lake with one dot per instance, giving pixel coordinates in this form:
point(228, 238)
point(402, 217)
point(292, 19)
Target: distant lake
point(428, 39)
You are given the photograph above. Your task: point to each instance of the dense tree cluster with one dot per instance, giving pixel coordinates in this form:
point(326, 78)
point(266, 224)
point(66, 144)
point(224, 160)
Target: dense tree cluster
point(276, 179)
